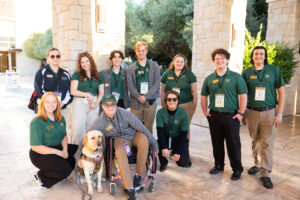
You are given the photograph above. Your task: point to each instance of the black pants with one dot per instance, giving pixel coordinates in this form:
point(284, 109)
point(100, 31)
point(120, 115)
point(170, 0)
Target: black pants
point(53, 168)
point(222, 126)
point(184, 160)
point(121, 103)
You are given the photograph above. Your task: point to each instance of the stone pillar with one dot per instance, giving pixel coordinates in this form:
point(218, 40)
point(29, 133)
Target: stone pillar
point(284, 26)
point(217, 24)
point(96, 26)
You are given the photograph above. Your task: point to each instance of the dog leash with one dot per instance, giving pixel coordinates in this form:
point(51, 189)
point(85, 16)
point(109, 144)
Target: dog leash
point(78, 182)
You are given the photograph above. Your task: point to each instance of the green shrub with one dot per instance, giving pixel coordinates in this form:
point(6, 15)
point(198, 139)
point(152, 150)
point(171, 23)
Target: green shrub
point(285, 60)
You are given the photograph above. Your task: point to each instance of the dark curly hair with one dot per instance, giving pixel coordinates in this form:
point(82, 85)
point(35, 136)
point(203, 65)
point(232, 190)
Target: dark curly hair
point(93, 68)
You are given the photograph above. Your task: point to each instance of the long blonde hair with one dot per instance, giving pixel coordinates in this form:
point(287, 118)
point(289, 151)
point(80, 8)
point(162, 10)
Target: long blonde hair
point(42, 111)
point(171, 66)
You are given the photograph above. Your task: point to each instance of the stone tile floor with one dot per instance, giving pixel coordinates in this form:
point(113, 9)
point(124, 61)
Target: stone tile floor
point(16, 170)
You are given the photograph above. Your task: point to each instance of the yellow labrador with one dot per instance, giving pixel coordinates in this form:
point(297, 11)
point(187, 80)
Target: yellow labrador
point(92, 158)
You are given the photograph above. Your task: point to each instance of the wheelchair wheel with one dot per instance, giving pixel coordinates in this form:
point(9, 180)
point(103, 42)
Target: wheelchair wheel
point(152, 186)
point(112, 188)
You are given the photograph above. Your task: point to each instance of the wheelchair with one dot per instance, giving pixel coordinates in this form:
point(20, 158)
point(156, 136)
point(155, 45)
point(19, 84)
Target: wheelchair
point(114, 175)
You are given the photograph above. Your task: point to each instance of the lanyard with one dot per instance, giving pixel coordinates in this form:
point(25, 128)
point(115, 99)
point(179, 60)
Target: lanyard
point(221, 84)
point(260, 79)
point(117, 122)
point(117, 80)
point(91, 83)
point(171, 120)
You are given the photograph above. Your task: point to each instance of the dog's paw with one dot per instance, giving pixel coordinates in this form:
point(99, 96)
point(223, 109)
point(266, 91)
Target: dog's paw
point(90, 192)
point(100, 189)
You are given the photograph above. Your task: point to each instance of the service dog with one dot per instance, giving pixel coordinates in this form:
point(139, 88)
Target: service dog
point(92, 158)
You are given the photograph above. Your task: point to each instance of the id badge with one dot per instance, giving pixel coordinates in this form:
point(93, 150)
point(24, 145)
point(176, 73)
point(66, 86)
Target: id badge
point(144, 87)
point(86, 100)
point(176, 90)
point(170, 142)
point(260, 93)
point(219, 100)
point(116, 95)
point(58, 94)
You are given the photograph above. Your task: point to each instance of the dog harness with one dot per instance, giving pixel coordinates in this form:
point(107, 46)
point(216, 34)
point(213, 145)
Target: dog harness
point(97, 161)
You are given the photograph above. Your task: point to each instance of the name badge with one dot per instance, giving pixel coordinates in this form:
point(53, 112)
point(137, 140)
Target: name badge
point(144, 87)
point(253, 77)
point(260, 93)
point(58, 94)
point(219, 100)
point(50, 127)
point(49, 76)
point(216, 80)
point(116, 95)
point(106, 85)
point(86, 100)
point(109, 128)
point(176, 90)
point(171, 77)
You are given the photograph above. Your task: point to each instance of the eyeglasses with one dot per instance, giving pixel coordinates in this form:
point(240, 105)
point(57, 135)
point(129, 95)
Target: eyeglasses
point(172, 99)
point(53, 56)
point(107, 105)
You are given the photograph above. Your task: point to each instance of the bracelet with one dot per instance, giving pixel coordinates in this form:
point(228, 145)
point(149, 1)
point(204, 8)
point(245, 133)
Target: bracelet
point(279, 114)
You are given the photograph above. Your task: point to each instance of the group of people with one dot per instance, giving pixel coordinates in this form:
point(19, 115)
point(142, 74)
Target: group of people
point(138, 88)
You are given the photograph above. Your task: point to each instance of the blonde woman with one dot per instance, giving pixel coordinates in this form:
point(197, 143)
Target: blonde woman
point(50, 151)
point(180, 79)
point(87, 89)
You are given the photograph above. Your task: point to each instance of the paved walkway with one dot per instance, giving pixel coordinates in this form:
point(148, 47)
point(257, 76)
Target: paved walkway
point(16, 170)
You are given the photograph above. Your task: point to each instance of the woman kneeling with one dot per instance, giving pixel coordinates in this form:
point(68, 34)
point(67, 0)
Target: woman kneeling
point(50, 151)
point(172, 128)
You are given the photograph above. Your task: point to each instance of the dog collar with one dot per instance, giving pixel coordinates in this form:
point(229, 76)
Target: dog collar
point(90, 148)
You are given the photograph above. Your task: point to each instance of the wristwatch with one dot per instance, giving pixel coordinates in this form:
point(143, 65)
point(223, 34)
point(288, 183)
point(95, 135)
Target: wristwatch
point(242, 114)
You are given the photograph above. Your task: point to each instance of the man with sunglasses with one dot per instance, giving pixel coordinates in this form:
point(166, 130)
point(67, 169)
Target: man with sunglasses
point(126, 129)
point(227, 93)
point(53, 78)
point(172, 124)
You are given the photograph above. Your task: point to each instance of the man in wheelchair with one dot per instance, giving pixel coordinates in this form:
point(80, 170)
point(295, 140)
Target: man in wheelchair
point(127, 130)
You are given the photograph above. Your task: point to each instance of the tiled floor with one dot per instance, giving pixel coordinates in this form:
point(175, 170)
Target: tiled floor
point(16, 170)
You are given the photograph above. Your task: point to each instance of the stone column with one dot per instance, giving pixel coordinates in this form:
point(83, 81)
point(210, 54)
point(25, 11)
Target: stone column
point(284, 26)
point(96, 26)
point(217, 24)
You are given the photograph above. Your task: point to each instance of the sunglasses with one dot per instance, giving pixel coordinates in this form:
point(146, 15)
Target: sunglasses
point(172, 99)
point(53, 56)
point(107, 105)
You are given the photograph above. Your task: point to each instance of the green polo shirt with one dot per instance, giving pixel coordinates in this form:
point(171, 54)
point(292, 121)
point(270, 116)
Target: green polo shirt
point(183, 81)
point(172, 124)
point(271, 78)
point(142, 75)
point(89, 85)
point(230, 85)
point(49, 133)
point(116, 83)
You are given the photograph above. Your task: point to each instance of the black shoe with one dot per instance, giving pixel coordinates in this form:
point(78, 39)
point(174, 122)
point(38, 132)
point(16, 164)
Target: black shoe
point(266, 182)
point(236, 175)
point(137, 182)
point(253, 170)
point(131, 194)
point(163, 168)
point(216, 169)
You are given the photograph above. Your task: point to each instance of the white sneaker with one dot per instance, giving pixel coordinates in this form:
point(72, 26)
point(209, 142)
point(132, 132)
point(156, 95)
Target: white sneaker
point(38, 180)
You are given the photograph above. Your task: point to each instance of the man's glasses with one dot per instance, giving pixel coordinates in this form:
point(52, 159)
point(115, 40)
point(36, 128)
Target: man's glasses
point(107, 105)
point(172, 99)
point(53, 56)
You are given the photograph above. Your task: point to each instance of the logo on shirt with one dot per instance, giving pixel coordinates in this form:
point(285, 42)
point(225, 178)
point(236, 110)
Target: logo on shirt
point(109, 128)
point(49, 76)
point(64, 78)
point(176, 121)
point(106, 84)
point(227, 80)
point(215, 81)
point(171, 77)
point(50, 127)
point(62, 124)
point(165, 121)
point(253, 77)
point(267, 76)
